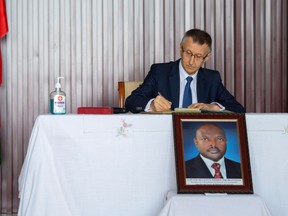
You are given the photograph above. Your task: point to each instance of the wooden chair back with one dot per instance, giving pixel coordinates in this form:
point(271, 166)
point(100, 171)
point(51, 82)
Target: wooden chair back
point(124, 90)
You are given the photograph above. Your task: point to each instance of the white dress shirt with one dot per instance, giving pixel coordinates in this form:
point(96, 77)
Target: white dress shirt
point(209, 163)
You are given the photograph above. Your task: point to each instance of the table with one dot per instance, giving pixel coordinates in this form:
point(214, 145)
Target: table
point(214, 204)
point(97, 165)
point(124, 164)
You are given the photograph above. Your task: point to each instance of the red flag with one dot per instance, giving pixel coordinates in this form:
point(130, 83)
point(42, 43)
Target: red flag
point(3, 30)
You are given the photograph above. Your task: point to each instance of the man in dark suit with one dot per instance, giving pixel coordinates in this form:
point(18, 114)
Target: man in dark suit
point(163, 88)
point(211, 143)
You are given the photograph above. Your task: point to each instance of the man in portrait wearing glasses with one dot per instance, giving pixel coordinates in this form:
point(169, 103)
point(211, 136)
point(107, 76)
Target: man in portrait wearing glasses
point(184, 83)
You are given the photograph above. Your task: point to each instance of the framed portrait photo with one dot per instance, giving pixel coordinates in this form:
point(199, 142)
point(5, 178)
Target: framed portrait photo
point(211, 152)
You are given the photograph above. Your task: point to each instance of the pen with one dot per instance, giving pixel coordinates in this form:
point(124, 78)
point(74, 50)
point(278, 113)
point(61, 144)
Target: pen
point(159, 93)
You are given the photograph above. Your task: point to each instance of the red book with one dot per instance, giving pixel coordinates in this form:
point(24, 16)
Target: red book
point(95, 110)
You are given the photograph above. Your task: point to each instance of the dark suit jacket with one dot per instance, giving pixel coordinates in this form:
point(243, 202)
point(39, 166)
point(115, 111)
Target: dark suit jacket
point(196, 168)
point(165, 78)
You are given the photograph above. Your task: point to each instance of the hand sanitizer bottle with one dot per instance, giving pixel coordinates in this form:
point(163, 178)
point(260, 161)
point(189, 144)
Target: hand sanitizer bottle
point(58, 99)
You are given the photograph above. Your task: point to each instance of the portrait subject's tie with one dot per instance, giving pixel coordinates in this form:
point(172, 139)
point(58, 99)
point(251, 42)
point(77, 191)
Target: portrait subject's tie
point(187, 97)
point(217, 166)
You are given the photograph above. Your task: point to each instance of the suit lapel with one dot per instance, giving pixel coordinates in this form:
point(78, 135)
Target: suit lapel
point(201, 170)
point(201, 86)
point(174, 83)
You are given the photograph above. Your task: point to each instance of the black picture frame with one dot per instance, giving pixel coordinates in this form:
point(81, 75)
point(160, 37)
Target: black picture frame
point(189, 180)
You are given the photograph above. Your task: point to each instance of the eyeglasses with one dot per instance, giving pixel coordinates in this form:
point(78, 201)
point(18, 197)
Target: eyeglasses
point(197, 57)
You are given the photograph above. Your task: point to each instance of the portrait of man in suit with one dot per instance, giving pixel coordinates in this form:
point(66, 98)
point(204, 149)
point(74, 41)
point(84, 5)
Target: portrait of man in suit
point(211, 142)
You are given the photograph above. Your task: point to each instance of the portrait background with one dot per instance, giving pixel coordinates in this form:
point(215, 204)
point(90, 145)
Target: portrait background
point(230, 128)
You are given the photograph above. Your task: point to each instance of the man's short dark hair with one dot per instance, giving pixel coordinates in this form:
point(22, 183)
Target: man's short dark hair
point(199, 36)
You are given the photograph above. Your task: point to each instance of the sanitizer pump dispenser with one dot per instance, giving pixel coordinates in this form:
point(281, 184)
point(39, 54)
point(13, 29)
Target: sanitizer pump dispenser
point(58, 99)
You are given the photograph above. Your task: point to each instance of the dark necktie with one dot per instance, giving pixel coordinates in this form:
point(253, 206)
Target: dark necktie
point(187, 97)
point(216, 166)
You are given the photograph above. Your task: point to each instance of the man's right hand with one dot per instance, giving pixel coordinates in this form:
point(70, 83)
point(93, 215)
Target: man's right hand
point(160, 104)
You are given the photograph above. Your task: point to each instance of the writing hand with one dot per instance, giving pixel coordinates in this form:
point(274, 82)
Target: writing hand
point(160, 104)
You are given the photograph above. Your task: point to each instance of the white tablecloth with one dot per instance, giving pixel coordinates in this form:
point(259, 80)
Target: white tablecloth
point(101, 165)
point(214, 204)
point(124, 164)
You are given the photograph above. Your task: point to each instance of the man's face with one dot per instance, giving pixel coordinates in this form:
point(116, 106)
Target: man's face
point(193, 55)
point(211, 142)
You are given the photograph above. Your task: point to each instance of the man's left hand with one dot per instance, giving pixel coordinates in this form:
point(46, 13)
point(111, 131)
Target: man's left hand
point(205, 106)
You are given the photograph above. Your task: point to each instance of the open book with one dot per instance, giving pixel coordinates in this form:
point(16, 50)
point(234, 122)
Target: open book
point(188, 110)
point(200, 110)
